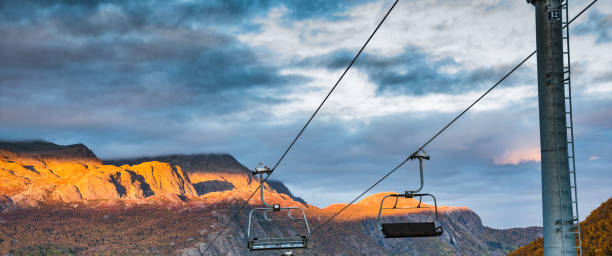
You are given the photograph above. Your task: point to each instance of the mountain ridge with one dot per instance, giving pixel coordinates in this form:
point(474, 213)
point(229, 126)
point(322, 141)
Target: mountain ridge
point(45, 149)
point(185, 201)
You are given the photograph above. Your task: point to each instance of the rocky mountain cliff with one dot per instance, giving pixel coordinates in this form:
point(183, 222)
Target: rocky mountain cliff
point(55, 174)
point(210, 172)
point(64, 200)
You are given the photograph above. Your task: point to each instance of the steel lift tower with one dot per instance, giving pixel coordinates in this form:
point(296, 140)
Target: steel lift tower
point(559, 196)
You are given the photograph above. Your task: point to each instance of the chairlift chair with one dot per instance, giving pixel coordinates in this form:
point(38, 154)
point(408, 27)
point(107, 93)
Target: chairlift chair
point(410, 229)
point(276, 243)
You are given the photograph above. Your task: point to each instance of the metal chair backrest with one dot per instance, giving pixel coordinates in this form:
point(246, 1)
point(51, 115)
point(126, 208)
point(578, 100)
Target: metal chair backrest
point(274, 243)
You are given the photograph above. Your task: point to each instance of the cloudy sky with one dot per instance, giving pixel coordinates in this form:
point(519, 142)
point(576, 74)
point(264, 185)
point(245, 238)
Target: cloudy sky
point(134, 78)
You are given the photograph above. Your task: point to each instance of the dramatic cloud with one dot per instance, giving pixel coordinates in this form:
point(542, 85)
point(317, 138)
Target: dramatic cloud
point(412, 72)
point(598, 24)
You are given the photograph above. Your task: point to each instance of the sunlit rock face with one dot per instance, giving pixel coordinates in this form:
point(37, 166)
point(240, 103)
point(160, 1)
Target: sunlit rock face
point(213, 176)
point(42, 172)
point(31, 175)
point(207, 172)
point(160, 178)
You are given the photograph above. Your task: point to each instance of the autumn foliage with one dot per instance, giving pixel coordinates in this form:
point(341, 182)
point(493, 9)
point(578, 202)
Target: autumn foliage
point(596, 235)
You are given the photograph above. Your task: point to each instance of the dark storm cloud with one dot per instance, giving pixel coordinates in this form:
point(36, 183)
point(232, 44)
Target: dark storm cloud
point(413, 72)
point(70, 63)
point(99, 64)
point(159, 13)
point(201, 59)
point(598, 24)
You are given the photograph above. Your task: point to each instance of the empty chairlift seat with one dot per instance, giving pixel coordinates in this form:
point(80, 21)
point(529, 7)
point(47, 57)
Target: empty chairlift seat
point(409, 229)
point(296, 240)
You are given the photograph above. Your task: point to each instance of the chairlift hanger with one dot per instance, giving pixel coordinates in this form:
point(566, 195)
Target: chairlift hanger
point(410, 229)
point(275, 243)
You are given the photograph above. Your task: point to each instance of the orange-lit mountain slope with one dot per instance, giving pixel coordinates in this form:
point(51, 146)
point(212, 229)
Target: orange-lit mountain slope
point(58, 200)
point(34, 173)
point(31, 179)
point(596, 235)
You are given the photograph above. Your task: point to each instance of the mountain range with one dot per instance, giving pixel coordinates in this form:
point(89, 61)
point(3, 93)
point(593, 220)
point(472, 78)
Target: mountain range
point(63, 200)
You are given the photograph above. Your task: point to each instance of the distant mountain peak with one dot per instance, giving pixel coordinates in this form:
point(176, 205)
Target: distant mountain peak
point(191, 163)
point(45, 149)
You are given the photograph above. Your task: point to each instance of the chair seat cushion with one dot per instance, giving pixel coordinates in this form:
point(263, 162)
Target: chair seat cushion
point(410, 229)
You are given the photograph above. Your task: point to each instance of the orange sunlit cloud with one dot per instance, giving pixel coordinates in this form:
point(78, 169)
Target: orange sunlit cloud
point(518, 156)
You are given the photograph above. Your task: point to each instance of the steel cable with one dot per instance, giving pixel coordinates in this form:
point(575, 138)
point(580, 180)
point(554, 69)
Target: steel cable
point(305, 125)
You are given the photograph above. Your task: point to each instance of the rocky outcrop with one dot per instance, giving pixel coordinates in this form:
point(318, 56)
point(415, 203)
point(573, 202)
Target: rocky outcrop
point(281, 188)
point(37, 171)
point(32, 177)
point(207, 172)
point(153, 178)
point(211, 173)
point(194, 163)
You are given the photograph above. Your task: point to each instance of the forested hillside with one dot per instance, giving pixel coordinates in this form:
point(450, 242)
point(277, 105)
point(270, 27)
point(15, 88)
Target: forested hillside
point(596, 235)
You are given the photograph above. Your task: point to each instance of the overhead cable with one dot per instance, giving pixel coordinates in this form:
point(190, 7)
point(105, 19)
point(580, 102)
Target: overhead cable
point(304, 127)
point(441, 130)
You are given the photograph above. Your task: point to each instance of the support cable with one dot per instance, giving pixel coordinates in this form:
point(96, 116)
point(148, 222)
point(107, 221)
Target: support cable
point(305, 125)
point(442, 130)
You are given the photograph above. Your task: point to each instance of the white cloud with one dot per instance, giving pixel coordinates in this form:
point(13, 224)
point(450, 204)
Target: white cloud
point(476, 34)
point(472, 32)
point(357, 98)
point(602, 91)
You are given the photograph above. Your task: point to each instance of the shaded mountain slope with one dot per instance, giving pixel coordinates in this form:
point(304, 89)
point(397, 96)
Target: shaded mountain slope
point(281, 188)
point(194, 163)
point(596, 235)
point(188, 227)
point(355, 232)
point(44, 149)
